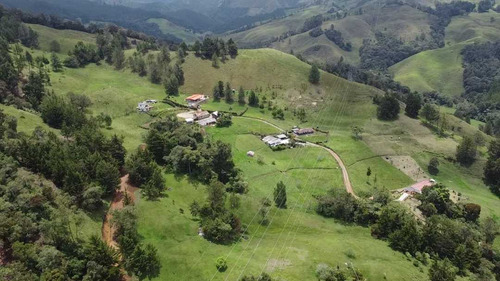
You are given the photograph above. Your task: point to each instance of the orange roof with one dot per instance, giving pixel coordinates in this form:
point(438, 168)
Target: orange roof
point(195, 97)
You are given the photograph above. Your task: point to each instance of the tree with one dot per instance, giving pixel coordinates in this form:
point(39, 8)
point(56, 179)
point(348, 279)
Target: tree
point(430, 113)
point(492, 167)
point(253, 99)
point(98, 251)
point(215, 61)
point(413, 104)
point(388, 108)
point(108, 176)
point(280, 195)
point(466, 151)
point(55, 47)
point(368, 174)
point(442, 270)
point(155, 185)
point(118, 58)
point(35, 89)
point(224, 120)
point(172, 86)
point(314, 75)
point(197, 48)
point(232, 48)
point(56, 63)
point(433, 166)
point(241, 96)
point(472, 212)
point(228, 93)
point(144, 263)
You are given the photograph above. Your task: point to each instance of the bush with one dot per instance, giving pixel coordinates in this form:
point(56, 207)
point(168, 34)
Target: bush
point(388, 109)
point(221, 264)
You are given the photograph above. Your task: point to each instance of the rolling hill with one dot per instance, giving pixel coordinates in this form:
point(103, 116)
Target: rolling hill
point(441, 69)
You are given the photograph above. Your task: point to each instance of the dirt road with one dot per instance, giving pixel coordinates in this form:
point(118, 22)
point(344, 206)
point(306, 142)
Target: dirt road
point(345, 174)
point(117, 204)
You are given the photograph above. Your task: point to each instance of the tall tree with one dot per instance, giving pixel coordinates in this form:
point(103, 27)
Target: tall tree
point(55, 47)
point(118, 57)
point(228, 93)
point(280, 195)
point(466, 151)
point(430, 113)
point(155, 185)
point(241, 96)
point(413, 104)
point(35, 89)
point(56, 63)
point(144, 262)
point(253, 99)
point(172, 86)
point(314, 75)
point(232, 48)
point(492, 168)
point(388, 108)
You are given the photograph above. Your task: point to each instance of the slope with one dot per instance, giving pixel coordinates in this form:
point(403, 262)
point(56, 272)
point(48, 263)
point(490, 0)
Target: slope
point(441, 70)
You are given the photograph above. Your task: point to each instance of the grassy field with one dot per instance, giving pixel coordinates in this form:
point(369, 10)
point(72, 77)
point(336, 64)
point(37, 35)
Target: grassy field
point(295, 241)
point(66, 38)
point(433, 70)
point(441, 69)
point(168, 27)
point(26, 121)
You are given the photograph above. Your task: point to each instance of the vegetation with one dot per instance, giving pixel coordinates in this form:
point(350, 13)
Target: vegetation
point(388, 108)
point(314, 75)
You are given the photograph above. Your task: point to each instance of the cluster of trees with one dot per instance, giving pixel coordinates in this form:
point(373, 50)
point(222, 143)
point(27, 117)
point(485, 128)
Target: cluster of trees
point(137, 259)
point(220, 92)
point(384, 51)
point(444, 12)
point(215, 48)
point(336, 37)
point(145, 173)
point(480, 80)
point(312, 22)
point(36, 230)
point(81, 55)
point(388, 107)
point(219, 224)
point(452, 232)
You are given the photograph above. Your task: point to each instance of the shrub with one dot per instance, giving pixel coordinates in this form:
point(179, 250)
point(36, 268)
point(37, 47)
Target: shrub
point(221, 264)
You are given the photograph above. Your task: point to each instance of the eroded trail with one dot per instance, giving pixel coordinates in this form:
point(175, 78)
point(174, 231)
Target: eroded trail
point(108, 230)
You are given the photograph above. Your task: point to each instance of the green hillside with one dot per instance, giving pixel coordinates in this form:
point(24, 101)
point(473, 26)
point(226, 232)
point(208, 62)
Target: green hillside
point(441, 70)
point(434, 70)
point(168, 27)
point(401, 21)
point(66, 38)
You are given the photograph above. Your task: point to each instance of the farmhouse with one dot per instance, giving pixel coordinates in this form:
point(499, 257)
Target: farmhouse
point(274, 141)
point(304, 131)
point(195, 100)
point(416, 189)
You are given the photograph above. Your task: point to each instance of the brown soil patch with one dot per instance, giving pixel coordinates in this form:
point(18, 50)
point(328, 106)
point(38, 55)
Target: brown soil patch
point(407, 165)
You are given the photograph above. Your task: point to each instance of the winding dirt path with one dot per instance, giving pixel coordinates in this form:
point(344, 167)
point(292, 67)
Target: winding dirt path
point(108, 230)
point(345, 174)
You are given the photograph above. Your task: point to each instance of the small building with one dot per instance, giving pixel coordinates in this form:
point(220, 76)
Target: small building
point(419, 186)
point(250, 153)
point(151, 101)
point(273, 141)
point(282, 136)
point(144, 107)
point(207, 121)
point(189, 120)
point(304, 131)
point(195, 100)
point(199, 115)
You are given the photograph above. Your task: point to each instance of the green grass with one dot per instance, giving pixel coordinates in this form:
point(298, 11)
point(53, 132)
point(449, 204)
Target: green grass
point(26, 121)
point(433, 70)
point(168, 27)
point(296, 236)
point(475, 27)
point(66, 38)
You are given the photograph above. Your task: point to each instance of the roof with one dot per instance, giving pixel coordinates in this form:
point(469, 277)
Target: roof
point(305, 131)
point(282, 136)
point(195, 97)
point(420, 185)
point(207, 121)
